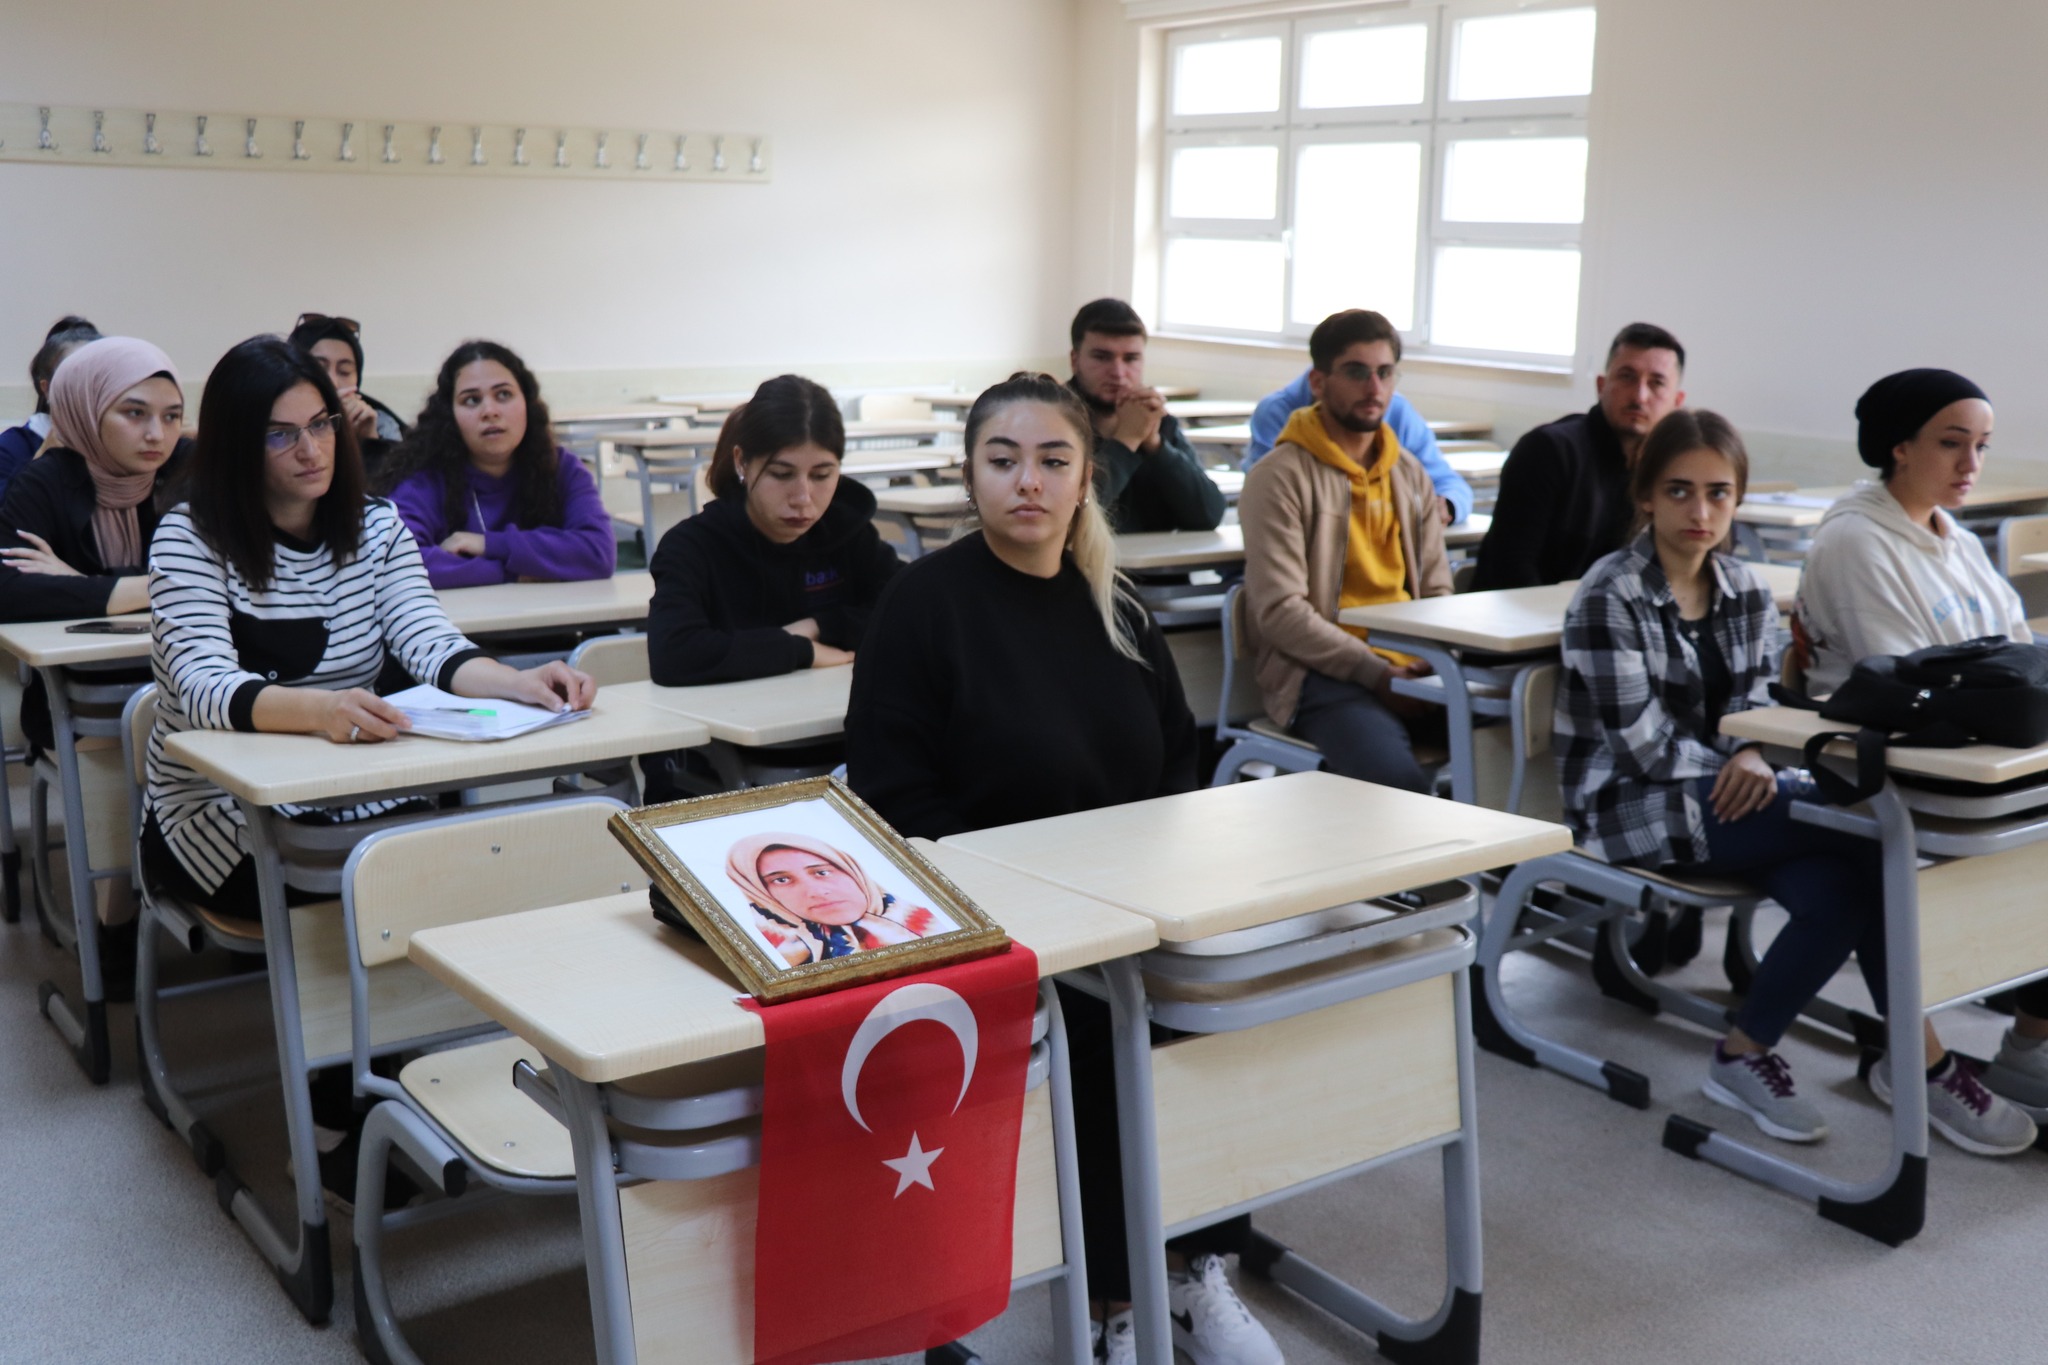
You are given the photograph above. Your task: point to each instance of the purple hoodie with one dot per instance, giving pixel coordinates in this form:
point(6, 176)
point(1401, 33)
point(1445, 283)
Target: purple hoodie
point(581, 547)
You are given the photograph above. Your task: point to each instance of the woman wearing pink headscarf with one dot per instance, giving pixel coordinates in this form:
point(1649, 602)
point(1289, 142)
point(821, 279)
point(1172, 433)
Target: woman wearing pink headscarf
point(75, 528)
point(813, 902)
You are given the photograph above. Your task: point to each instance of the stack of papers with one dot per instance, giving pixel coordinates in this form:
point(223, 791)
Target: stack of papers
point(443, 715)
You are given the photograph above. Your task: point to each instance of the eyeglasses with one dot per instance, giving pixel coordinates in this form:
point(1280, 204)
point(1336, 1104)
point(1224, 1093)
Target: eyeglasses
point(1357, 373)
point(321, 319)
point(278, 440)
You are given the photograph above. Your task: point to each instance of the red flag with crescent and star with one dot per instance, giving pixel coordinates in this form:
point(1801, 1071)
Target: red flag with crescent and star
point(890, 1118)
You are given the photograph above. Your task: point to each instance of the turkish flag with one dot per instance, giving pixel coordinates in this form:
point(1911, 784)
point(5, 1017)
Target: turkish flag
point(890, 1117)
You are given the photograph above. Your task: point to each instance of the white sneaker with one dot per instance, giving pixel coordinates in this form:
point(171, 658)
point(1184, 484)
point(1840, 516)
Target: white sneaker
point(2019, 1073)
point(1117, 1346)
point(1211, 1323)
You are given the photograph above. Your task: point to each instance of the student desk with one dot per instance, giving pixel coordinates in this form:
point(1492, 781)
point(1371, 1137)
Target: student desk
point(263, 771)
point(1160, 562)
point(503, 608)
point(93, 785)
point(1461, 429)
point(1480, 643)
point(1476, 464)
point(1782, 523)
point(1228, 439)
point(786, 709)
point(1332, 1035)
point(1466, 534)
point(583, 429)
point(1968, 925)
point(2035, 561)
point(610, 999)
point(936, 511)
point(1229, 482)
point(1201, 412)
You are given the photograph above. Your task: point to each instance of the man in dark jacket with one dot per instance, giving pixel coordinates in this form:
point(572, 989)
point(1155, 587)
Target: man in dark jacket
point(1563, 500)
point(1146, 472)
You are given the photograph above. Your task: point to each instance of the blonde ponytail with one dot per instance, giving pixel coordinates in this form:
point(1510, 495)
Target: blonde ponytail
point(1089, 539)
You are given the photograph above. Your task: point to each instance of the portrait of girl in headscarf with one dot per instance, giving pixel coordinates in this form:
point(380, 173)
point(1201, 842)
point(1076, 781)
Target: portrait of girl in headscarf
point(813, 902)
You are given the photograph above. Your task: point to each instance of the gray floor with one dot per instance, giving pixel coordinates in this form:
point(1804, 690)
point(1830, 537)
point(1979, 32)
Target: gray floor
point(1600, 1246)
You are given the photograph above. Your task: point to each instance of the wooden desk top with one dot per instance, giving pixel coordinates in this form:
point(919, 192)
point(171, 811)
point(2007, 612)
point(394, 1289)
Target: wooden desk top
point(1180, 549)
point(810, 704)
point(1476, 464)
point(1513, 620)
point(45, 644)
point(1806, 506)
point(1461, 428)
point(1234, 435)
point(605, 992)
point(944, 500)
point(530, 606)
point(1784, 727)
point(1229, 481)
point(623, 412)
point(277, 769)
point(1469, 532)
point(1224, 858)
point(1212, 409)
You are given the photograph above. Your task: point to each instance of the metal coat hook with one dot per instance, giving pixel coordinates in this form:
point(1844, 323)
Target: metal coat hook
point(519, 146)
point(754, 159)
point(150, 146)
point(604, 158)
point(640, 152)
point(718, 153)
point(390, 151)
point(45, 142)
point(348, 147)
point(682, 151)
point(562, 150)
point(200, 146)
point(99, 132)
point(476, 147)
point(249, 147)
point(299, 140)
point(434, 157)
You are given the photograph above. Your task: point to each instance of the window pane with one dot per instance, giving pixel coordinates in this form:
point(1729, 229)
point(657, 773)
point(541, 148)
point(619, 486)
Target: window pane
point(1239, 76)
point(1225, 182)
point(1355, 208)
point(1232, 284)
point(1516, 180)
point(1524, 56)
point(1357, 67)
point(1506, 299)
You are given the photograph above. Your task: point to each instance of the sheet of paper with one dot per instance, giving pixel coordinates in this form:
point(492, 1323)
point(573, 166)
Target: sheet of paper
point(443, 715)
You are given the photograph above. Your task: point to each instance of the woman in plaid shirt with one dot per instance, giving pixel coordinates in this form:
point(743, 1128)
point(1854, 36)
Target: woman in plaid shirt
point(1664, 637)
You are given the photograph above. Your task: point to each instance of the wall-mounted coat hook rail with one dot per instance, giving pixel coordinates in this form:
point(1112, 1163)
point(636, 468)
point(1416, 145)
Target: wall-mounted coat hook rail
point(150, 137)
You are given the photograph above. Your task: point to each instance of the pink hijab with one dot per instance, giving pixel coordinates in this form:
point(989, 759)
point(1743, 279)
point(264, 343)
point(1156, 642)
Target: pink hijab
point(84, 387)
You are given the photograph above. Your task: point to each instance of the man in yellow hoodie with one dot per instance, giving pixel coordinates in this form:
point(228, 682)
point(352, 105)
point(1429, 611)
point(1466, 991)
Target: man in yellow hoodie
point(1338, 515)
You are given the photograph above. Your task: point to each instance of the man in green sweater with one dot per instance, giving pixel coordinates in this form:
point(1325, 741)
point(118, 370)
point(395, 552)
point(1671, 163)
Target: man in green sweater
point(1146, 472)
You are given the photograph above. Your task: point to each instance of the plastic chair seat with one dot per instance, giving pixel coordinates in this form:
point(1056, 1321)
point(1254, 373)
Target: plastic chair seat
point(1704, 888)
point(469, 1092)
point(1264, 726)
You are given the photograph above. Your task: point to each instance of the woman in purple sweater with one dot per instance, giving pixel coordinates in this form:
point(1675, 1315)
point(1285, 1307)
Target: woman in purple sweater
point(484, 489)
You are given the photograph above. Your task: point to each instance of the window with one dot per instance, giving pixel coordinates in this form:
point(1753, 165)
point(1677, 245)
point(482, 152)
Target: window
point(1425, 160)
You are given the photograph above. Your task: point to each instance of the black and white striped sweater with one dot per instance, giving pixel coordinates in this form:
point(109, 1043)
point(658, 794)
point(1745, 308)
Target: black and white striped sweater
point(216, 643)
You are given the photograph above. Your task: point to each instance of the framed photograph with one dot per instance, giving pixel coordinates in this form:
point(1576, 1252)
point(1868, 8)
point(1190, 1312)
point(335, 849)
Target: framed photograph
point(801, 888)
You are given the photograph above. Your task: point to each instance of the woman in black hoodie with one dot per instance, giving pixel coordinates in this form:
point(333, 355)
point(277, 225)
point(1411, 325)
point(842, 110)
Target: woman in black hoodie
point(781, 571)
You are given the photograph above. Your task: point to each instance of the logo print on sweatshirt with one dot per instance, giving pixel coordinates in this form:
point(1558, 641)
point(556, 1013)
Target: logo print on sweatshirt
point(817, 580)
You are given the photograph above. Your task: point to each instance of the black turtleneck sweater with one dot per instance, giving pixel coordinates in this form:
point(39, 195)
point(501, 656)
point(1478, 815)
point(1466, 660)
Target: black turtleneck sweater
point(723, 591)
point(985, 696)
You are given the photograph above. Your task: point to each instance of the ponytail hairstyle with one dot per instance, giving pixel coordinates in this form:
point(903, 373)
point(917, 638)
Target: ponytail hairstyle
point(1679, 432)
point(436, 444)
point(1089, 539)
point(785, 411)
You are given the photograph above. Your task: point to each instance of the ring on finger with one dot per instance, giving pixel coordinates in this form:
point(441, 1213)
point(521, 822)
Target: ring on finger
point(355, 732)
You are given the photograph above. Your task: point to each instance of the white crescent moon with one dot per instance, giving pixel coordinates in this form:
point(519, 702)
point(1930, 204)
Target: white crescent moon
point(905, 1005)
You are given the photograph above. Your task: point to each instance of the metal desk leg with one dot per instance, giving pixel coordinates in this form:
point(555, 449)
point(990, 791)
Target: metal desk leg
point(1137, 1123)
point(81, 1023)
point(1892, 1206)
point(1458, 715)
point(10, 846)
point(646, 480)
point(1070, 1290)
point(305, 1269)
point(604, 1233)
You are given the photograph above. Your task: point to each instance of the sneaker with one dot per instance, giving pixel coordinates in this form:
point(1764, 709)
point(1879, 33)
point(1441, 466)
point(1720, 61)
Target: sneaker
point(1119, 1344)
point(1963, 1111)
point(1760, 1085)
point(2019, 1073)
point(1211, 1323)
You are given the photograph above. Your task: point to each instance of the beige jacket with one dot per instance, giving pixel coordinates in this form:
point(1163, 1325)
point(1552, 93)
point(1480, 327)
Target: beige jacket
point(1296, 512)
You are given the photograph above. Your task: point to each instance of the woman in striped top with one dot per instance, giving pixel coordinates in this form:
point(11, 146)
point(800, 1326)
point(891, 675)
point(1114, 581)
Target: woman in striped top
point(276, 592)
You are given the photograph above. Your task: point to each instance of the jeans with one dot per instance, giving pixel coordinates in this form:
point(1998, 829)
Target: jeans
point(1830, 883)
point(1358, 735)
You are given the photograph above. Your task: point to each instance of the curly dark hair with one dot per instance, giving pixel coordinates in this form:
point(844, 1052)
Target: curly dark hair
point(436, 444)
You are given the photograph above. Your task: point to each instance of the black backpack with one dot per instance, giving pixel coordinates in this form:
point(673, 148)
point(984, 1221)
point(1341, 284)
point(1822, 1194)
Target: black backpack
point(1990, 691)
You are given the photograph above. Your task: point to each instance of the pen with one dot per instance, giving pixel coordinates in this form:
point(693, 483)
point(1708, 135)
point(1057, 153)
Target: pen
point(457, 710)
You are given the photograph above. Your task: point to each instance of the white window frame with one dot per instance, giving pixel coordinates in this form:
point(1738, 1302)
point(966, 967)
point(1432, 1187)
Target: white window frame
point(1435, 122)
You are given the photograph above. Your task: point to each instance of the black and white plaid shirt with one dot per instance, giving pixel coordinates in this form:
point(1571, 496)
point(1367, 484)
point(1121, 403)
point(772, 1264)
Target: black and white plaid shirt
point(1631, 727)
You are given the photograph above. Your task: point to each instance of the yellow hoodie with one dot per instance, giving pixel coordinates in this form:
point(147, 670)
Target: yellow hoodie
point(1375, 563)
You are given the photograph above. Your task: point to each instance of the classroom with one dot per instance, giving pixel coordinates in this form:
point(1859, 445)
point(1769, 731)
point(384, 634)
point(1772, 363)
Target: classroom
point(1413, 620)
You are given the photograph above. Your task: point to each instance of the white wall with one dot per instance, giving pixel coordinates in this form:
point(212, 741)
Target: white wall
point(1810, 195)
point(915, 228)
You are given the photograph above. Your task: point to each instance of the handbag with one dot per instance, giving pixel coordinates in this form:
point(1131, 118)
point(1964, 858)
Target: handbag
point(1990, 690)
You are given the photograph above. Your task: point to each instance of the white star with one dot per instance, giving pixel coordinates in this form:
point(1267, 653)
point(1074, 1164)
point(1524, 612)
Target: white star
point(914, 1167)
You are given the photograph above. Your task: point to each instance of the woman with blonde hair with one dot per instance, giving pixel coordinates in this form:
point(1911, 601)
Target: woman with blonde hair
point(815, 902)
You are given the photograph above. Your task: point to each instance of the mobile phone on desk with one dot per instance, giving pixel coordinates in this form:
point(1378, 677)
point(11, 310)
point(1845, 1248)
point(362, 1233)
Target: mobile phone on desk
point(126, 626)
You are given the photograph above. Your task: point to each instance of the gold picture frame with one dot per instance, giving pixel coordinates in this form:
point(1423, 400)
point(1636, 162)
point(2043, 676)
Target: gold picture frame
point(801, 888)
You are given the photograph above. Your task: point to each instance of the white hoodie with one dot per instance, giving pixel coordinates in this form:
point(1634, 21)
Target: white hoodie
point(1876, 582)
